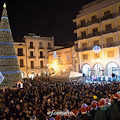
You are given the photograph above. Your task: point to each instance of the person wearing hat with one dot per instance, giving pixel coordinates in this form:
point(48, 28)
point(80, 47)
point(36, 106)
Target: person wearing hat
point(114, 110)
point(101, 113)
point(84, 115)
point(93, 109)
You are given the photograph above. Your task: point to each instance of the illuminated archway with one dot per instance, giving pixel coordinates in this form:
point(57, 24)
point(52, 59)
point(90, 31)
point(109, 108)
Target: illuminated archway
point(41, 73)
point(32, 74)
point(112, 68)
point(86, 70)
point(23, 74)
point(98, 69)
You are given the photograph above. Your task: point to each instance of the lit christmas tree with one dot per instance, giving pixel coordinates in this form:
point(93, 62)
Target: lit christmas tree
point(8, 60)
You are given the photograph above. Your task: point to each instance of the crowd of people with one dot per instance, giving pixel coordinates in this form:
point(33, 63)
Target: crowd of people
point(36, 99)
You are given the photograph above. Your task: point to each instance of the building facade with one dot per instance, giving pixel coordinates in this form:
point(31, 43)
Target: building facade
point(60, 60)
point(98, 24)
point(33, 55)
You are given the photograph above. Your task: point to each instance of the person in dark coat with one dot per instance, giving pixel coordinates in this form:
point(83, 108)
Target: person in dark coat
point(93, 109)
point(84, 115)
point(114, 110)
point(101, 113)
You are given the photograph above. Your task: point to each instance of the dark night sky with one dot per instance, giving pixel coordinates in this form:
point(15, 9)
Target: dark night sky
point(44, 17)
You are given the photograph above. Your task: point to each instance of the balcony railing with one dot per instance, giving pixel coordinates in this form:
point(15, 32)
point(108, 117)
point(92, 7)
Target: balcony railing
point(82, 25)
point(41, 48)
point(108, 17)
point(101, 46)
point(41, 57)
point(111, 45)
point(49, 48)
point(99, 33)
point(22, 66)
point(93, 21)
point(20, 54)
point(37, 67)
point(31, 47)
point(31, 57)
point(109, 31)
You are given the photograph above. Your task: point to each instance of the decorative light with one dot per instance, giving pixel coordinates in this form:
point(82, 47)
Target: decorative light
point(4, 17)
point(7, 43)
point(5, 30)
point(55, 55)
point(1, 78)
point(11, 72)
point(3, 57)
point(96, 49)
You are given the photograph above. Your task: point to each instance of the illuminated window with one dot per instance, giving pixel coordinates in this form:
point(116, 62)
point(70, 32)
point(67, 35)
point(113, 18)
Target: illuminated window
point(41, 64)
point(41, 54)
point(107, 13)
point(21, 62)
point(40, 45)
point(20, 51)
point(49, 45)
point(31, 53)
point(110, 53)
point(109, 41)
point(83, 34)
point(32, 64)
point(96, 42)
point(94, 18)
point(108, 27)
point(85, 57)
point(68, 58)
point(31, 44)
point(96, 55)
point(95, 30)
point(82, 23)
point(84, 46)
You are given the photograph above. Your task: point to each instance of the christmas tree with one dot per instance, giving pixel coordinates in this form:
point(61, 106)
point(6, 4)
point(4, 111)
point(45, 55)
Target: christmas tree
point(8, 60)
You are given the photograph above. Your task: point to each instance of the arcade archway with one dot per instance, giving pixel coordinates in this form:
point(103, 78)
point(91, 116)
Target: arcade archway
point(41, 74)
point(32, 74)
point(98, 69)
point(86, 70)
point(112, 68)
point(23, 74)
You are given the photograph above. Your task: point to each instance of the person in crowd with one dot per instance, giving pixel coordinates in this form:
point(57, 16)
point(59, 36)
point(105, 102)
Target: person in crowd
point(114, 110)
point(37, 98)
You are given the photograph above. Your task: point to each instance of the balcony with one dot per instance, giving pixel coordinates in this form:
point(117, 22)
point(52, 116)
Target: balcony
point(22, 66)
point(20, 54)
point(41, 48)
point(49, 48)
point(82, 25)
point(101, 46)
point(41, 57)
point(82, 49)
point(37, 67)
point(99, 33)
point(110, 45)
point(94, 34)
point(82, 37)
point(93, 21)
point(108, 17)
point(31, 47)
point(31, 57)
point(109, 31)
